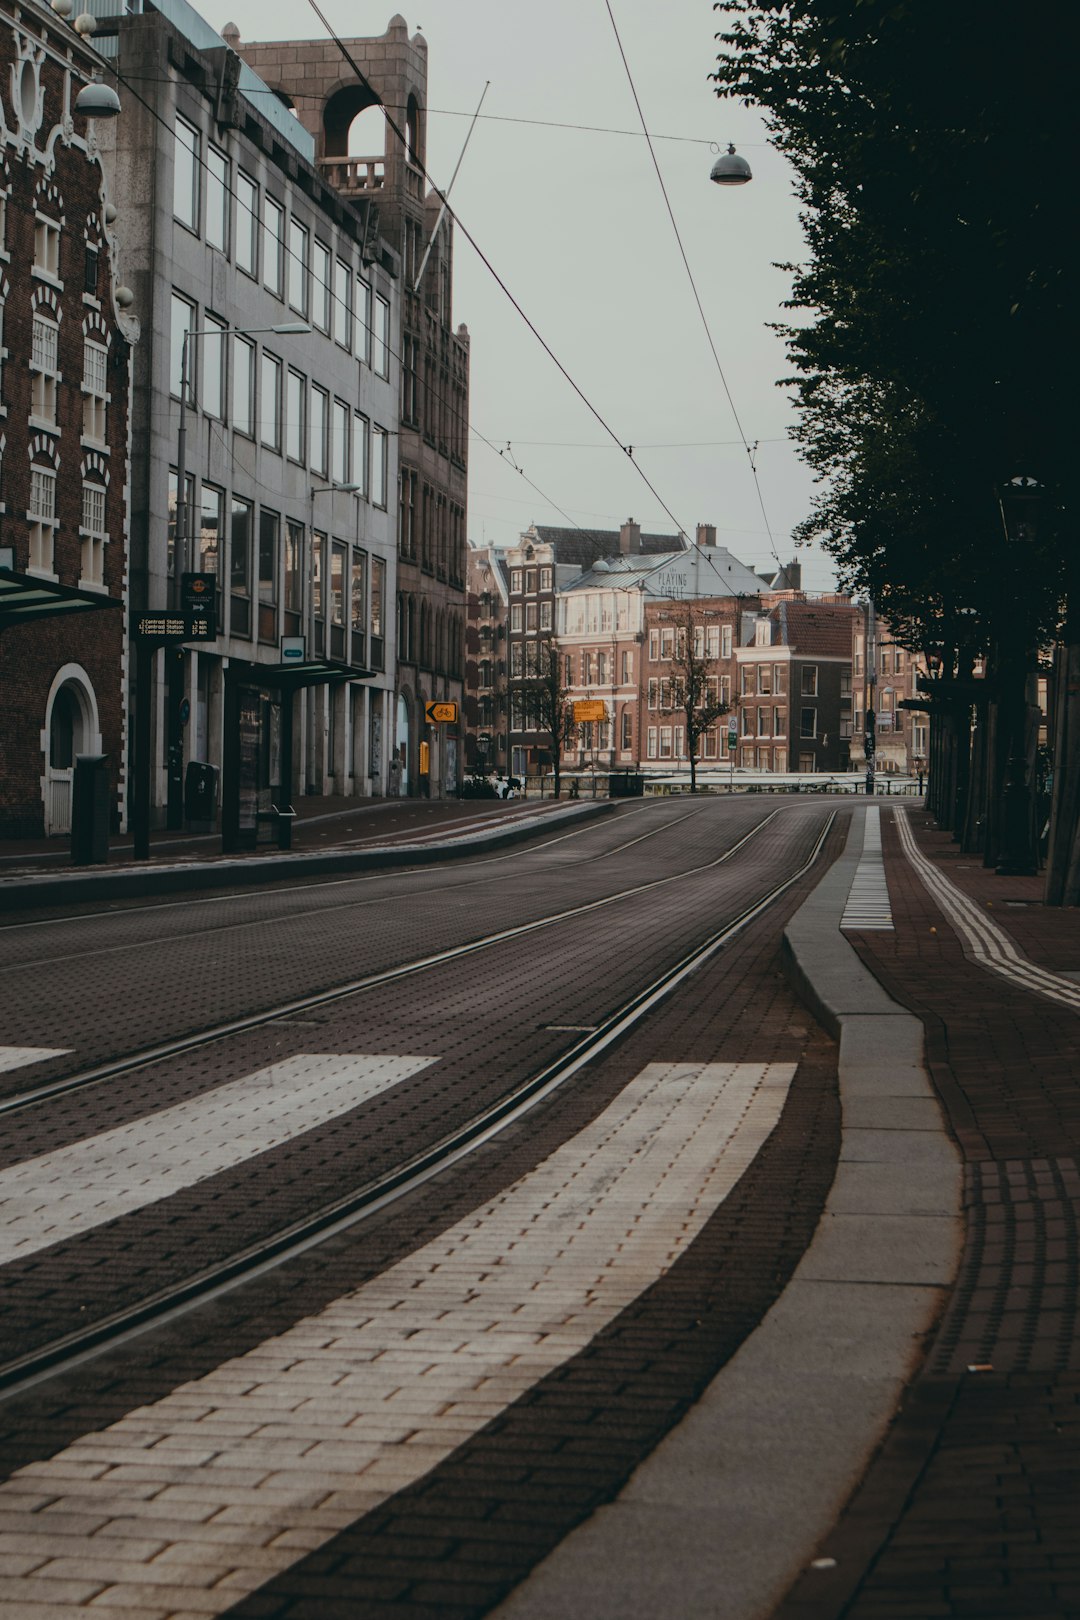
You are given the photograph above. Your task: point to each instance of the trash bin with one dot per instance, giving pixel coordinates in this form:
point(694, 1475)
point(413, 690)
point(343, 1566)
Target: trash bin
point(90, 810)
point(200, 796)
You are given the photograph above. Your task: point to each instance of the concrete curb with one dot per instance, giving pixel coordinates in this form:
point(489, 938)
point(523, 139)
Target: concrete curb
point(718, 1523)
point(139, 882)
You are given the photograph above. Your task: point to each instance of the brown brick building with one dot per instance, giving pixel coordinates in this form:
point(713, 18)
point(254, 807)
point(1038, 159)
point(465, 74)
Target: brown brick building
point(64, 386)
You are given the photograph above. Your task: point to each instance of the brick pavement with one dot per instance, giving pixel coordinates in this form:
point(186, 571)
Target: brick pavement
point(973, 1505)
point(476, 1523)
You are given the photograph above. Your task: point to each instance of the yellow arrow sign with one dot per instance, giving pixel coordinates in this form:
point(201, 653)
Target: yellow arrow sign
point(440, 714)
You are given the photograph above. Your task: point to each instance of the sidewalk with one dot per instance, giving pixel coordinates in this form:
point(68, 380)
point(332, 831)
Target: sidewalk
point(330, 835)
point(973, 1504)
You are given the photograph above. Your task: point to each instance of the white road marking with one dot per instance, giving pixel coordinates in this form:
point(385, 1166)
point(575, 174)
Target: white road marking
point(52, 1198)
point(982, 940)
point(17, 1057)
point(191, 1502)
point(868, 905)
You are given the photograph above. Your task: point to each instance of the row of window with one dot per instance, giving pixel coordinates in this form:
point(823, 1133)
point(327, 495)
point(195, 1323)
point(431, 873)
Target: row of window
point(264, 242)
point(531, 616)
point(710, 641)
point(261, 397)
point(431, 529)
point(526, 580)
point(261, 557)
point(43, 522)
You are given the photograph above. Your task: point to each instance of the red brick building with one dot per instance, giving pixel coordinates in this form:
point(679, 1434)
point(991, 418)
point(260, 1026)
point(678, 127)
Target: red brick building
point(794, 689)
point(64, 384)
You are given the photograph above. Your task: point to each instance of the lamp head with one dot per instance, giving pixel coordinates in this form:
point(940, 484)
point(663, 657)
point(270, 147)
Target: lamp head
point(97, 100)
point(730, 169)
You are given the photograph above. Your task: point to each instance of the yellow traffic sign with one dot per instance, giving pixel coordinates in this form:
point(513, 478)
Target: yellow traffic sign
point(589, 709)
point(440, 714)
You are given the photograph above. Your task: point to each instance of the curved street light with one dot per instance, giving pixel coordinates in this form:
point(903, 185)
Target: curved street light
point(730, 169)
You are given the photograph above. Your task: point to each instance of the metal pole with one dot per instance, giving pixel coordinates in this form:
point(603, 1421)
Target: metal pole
point(870, 731)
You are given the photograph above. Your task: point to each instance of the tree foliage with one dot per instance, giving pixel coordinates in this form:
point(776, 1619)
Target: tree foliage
point(693, 684)
point(547, 701)
point(929, 145)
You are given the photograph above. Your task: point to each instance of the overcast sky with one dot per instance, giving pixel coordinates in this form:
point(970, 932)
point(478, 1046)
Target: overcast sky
point(574, 221)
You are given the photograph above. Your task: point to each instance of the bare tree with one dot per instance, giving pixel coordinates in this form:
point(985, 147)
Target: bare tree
point(693, 686)
point(545, 698)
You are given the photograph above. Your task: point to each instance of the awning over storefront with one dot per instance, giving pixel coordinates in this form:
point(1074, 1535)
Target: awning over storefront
point(24, 599)
point(290, 678)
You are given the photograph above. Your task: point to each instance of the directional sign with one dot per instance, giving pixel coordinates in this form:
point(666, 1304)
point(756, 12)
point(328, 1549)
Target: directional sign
point(440, 714)
point(198, 595)
point(589, 709)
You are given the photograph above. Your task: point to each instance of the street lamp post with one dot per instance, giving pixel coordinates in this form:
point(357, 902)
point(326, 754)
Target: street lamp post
point(182, 558)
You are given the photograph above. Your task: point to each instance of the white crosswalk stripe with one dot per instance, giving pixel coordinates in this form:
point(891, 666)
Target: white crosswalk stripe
point(17, 1057)
point(238, 1474)
point(52, 1198)
point(868, 905)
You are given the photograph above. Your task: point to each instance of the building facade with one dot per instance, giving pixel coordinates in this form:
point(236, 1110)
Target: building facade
point(65, 366)
point(884, 677)
point(383, 164)
point(794, 699)
point(278, 303)
point(487, 707)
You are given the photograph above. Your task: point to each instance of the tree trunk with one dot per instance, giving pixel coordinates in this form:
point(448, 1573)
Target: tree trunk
point(1063, 857)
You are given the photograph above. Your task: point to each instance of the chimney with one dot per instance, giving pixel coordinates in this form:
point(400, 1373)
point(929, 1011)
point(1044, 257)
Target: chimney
point(706, 534)
point(630, 538)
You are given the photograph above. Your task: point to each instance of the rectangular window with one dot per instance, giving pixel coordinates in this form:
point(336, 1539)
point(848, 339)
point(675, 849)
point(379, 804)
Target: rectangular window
point(183, 321)
point(764, 680)
point(92, 538)
point(299, 256)
point(337, 582)
point(667, 643)
point(213, 368)
point(320, 313)
point(273, 245)
point(361, 457)
point(545, 579)
point(240, 566)
point(779, 684)
point(186, 175)
point(43, 361)
point(546, 615)
point(516, 659)
point(247, 223)
point(654, 645)
point(665, 742)
point(378, 613)
point(626, 739)
point(362, 321)
point(90, 263)
point(515, 579)
point(293, 594)
point(763, 722)
point(342, 278)
point(380, 448)
point(269, 535)
point(295, 416)
point(47, 247)
point(270, 402)
point(95, 389)
point(380, 358)
point(746, 676)
point(807, 722)
point(515, 618)
point(808, 688)
point(42, 514)
point(93, 508)
point(243, 389)
point(320, 431)
point(217, 199)
point(339, 447)
point(779, 722)
point(726, 632)
point(211, 518)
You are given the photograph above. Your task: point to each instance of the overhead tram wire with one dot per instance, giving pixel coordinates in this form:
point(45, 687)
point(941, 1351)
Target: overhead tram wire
point(288, 254)
point(627, 449)
point(129, 85)
point(693, 284)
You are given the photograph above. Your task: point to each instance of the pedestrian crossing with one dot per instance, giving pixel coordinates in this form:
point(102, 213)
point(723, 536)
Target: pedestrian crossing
point(186, 1504)
point(868, 905)
point(52, 1198)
